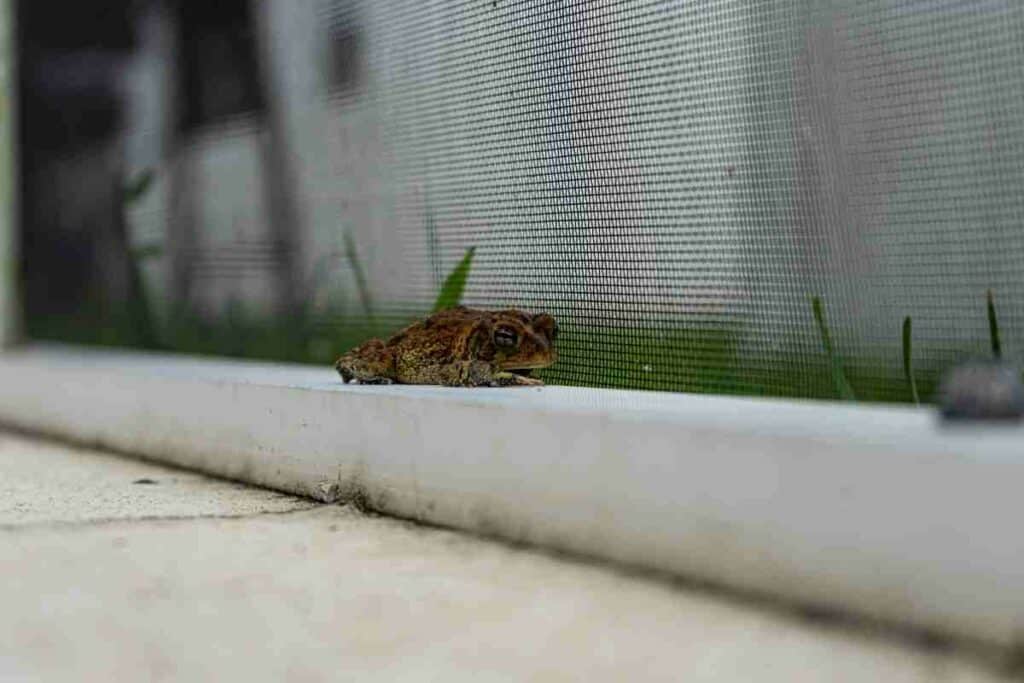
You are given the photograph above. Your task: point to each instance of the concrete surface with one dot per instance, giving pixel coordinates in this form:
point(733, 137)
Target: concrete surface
point(43, 481)
point(248, 585)
point(797, 500)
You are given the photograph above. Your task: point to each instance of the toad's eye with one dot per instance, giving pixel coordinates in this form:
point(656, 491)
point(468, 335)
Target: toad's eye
point(506, 338)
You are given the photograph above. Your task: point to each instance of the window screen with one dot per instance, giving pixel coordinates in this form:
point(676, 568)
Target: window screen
point(674, 181)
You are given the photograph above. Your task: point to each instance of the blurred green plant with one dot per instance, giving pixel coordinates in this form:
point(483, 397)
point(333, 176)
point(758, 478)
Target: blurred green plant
point(669, 356)
point(433, 245)
point(691, 358)
point(352, 254)
point(136, 187)
point(140, 305)
point(993, 326)
point(144, 252)
point(842, 384)
point(455, 284)
point(908, 370)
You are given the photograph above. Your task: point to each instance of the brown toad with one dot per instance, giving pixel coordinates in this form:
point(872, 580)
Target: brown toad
point(459, 347)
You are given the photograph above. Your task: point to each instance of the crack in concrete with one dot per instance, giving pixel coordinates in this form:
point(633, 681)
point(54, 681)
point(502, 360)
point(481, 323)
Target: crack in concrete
point(13, 527)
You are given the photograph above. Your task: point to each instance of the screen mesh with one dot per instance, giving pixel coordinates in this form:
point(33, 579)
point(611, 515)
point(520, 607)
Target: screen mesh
point(673, 181)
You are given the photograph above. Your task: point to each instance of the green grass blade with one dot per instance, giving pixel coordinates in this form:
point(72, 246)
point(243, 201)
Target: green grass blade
point(819, 316)
point(145, 252)
point(993, 327)
point(433, 246)
point(908, 371)
point(138, 305)
point(455, 283)
point(137, 186)
point(358, 273)
point(838, 376)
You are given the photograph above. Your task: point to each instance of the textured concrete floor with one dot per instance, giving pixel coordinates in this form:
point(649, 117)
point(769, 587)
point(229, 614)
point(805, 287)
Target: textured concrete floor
point(104, 576)
point(44, 482)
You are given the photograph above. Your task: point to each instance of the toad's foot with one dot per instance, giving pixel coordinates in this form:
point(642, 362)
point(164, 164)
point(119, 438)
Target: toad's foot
point(371, 380)
point(511, 379)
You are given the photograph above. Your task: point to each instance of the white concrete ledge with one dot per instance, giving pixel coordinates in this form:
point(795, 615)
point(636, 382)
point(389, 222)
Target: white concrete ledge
point(875, 510)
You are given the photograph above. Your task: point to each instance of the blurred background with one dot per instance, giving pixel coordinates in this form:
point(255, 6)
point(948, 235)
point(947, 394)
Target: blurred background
point(674, 181)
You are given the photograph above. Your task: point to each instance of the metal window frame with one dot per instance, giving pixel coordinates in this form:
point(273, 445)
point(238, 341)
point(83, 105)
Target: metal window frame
point(878, 511)
point(10, 309)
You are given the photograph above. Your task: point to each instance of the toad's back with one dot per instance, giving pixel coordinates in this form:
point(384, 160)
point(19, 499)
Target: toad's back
point(444, 337)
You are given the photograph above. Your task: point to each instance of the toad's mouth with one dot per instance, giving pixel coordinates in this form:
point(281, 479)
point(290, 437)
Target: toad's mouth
point(526, 369)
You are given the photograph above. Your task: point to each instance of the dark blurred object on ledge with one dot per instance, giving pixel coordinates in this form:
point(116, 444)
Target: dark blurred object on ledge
point(982, 390)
